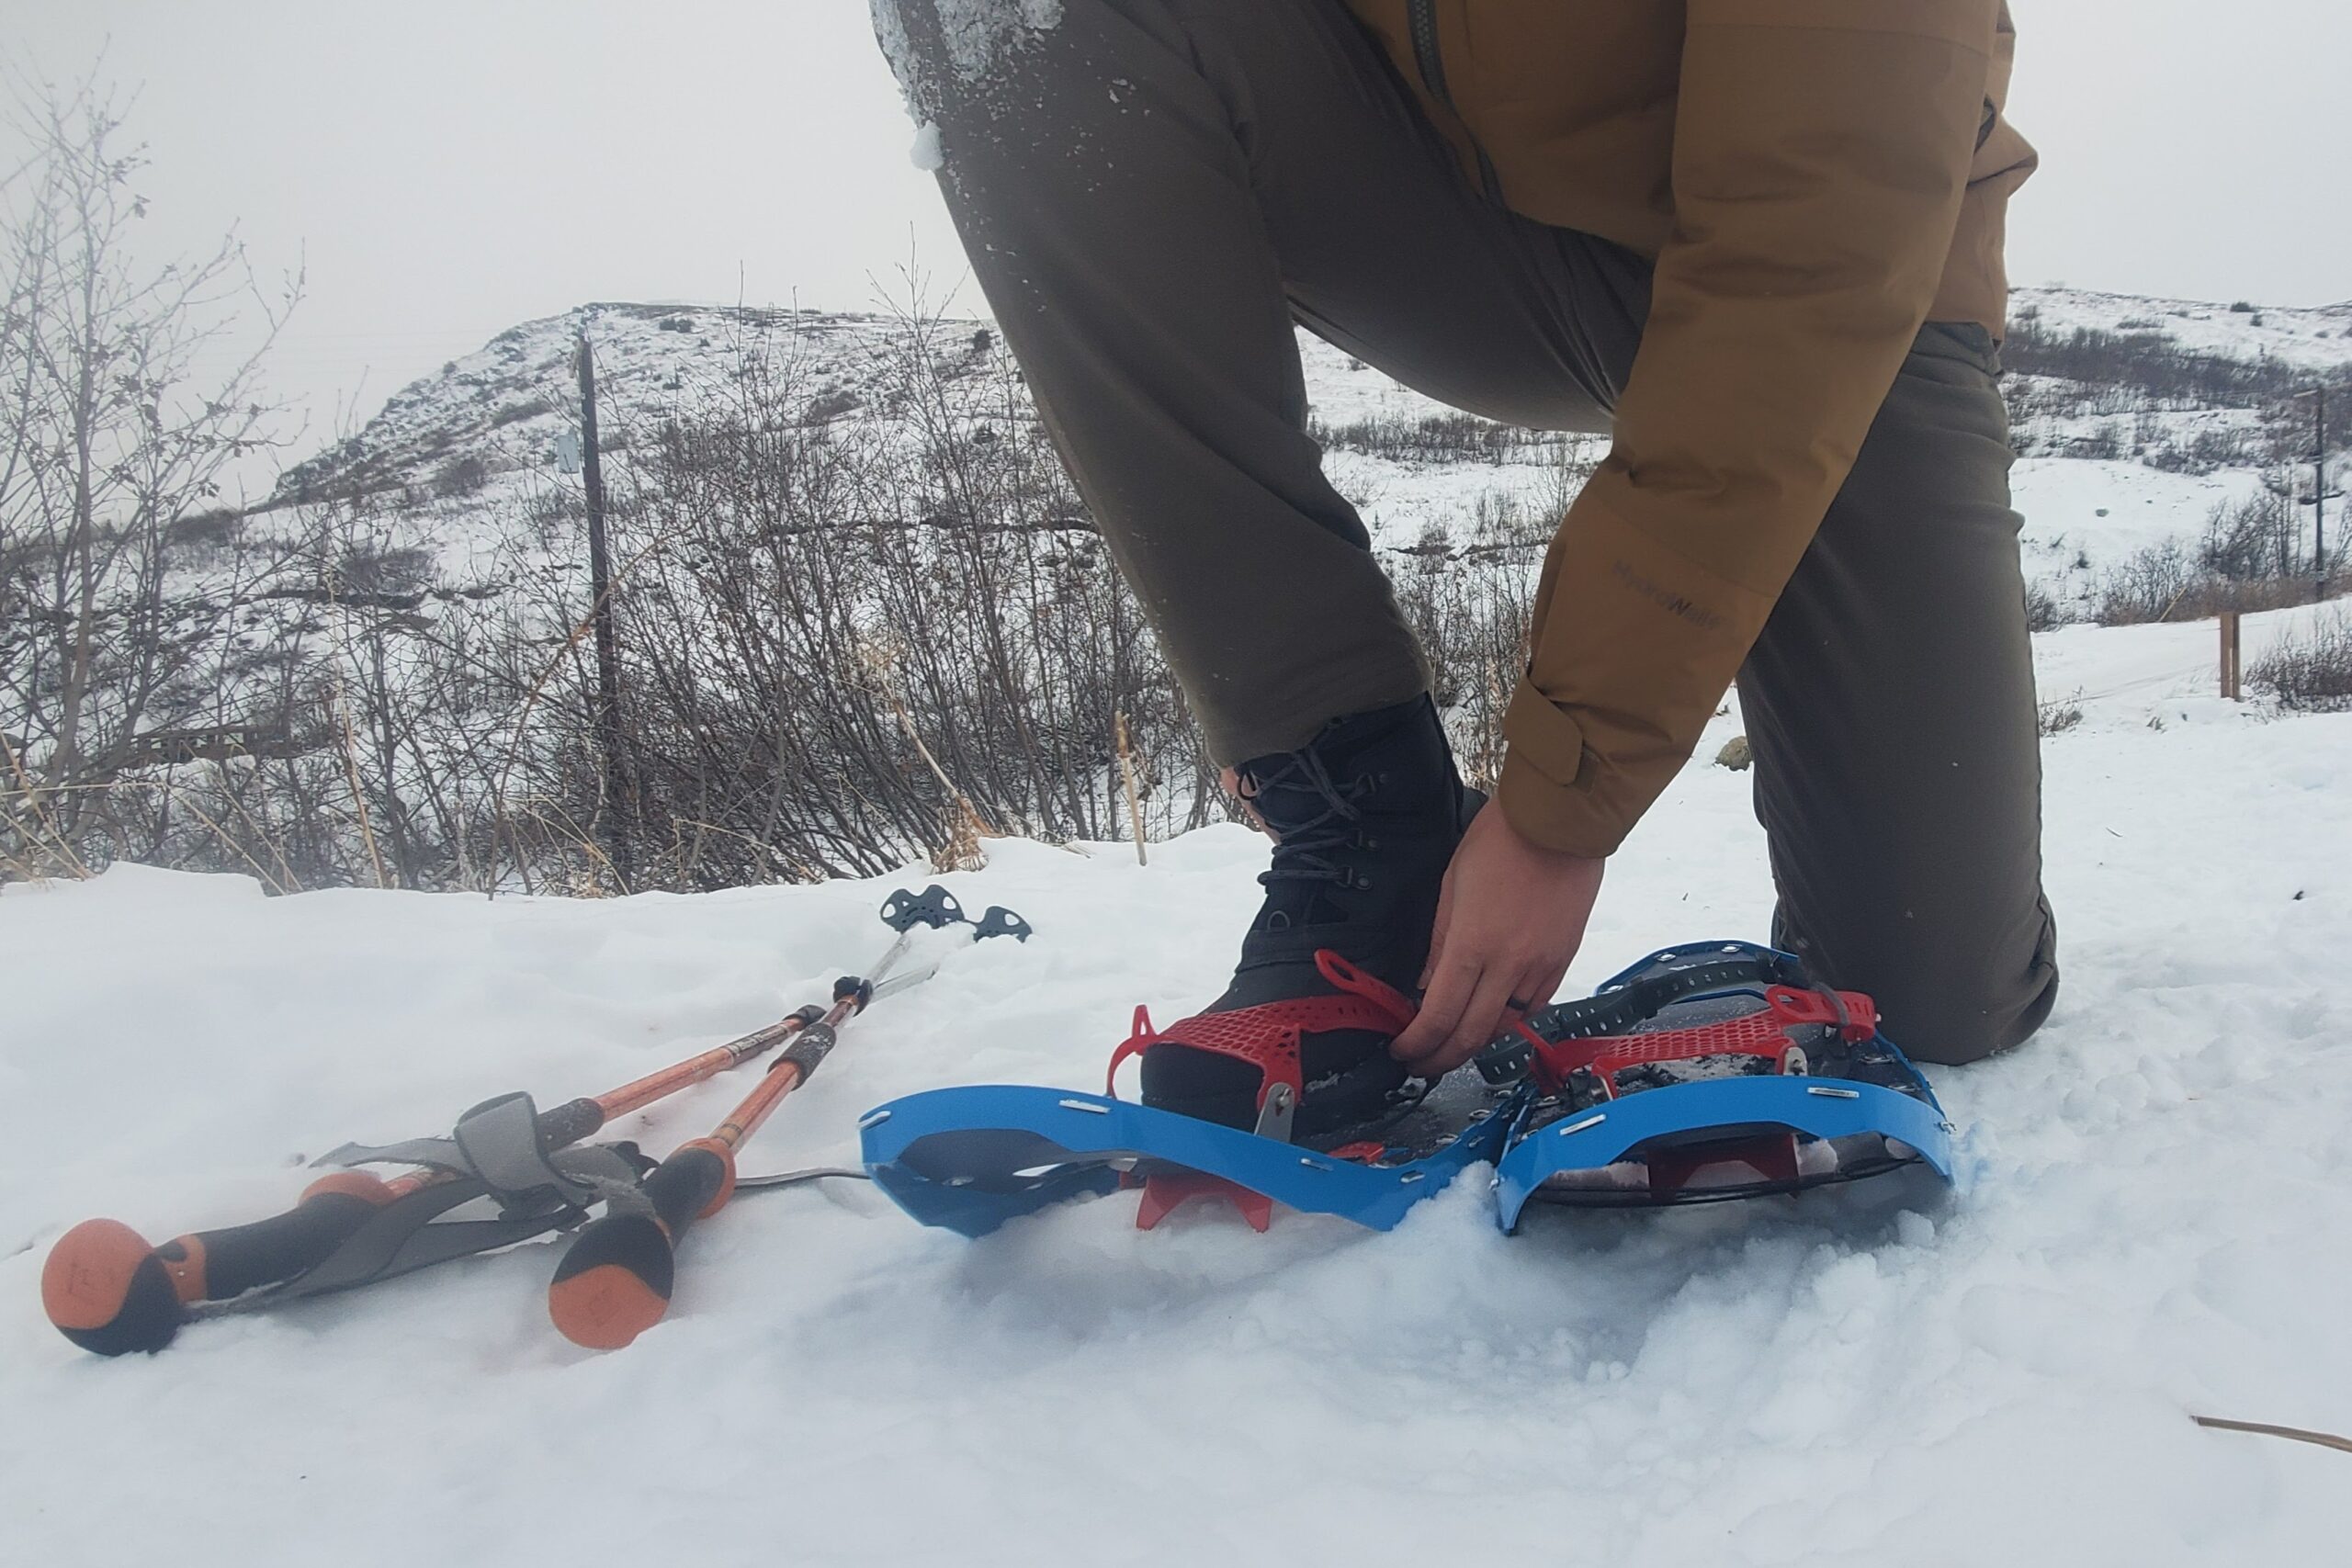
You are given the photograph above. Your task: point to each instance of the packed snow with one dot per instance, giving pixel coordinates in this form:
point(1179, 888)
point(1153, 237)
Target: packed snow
point(926, 153)
point(2152, 1231)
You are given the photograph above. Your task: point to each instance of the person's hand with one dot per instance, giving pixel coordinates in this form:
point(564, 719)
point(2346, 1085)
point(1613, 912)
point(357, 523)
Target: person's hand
point(1510, 916)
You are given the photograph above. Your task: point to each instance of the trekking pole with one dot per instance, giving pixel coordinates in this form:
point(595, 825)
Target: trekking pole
point(615, 1280)
point(109, 1291)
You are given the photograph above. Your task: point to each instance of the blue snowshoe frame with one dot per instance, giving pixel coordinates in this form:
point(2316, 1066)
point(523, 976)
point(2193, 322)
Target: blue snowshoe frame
point(971, 1158)
point(1823, 1108)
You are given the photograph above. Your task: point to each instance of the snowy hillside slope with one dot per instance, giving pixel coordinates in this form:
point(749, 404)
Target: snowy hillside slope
point(2310, 338)
point(459, 450)
point(2152, 1231)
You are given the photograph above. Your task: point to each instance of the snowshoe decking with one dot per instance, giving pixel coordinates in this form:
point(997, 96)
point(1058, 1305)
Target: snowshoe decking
point(1704, 1073)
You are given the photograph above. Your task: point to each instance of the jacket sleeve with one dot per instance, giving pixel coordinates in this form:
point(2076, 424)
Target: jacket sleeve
point(1821, 149)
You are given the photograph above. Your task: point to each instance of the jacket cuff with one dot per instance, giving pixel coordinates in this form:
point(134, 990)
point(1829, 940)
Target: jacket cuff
point(1538, 793)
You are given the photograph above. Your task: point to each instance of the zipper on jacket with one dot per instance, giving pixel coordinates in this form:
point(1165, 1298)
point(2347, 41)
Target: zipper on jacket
point(1421, 17)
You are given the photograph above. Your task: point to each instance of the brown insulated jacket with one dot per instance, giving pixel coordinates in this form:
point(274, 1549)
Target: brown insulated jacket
point(1815, 179)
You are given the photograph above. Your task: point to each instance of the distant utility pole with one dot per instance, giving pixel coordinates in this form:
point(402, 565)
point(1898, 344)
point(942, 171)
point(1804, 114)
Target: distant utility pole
point(2319, 488)
point(608, 664)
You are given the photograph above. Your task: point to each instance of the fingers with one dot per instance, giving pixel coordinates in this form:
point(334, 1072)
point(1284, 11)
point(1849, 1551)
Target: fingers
point(1480, 1021)
point(1539, 995)
point(1468, 1005)
point(1510, 940)
point(1448, 991)
point(1464, 1008)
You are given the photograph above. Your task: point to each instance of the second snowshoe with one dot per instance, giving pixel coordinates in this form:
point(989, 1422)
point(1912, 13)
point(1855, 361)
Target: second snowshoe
point(1707, 1072)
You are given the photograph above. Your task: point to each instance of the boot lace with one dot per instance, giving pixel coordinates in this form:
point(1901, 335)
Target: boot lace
point(1303, 849)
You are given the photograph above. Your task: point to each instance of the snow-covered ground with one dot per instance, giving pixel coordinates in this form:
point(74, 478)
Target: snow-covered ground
point(2084, 517)
point(2155, 1230)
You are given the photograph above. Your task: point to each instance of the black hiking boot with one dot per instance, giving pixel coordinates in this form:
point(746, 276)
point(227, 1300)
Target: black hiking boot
point(1364, 820)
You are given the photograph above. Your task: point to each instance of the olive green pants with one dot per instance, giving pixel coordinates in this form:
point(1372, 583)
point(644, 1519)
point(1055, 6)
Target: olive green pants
point(1151, 192)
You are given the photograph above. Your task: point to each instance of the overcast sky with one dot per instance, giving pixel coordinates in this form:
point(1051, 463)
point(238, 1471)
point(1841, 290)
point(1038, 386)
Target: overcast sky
point(444, 170)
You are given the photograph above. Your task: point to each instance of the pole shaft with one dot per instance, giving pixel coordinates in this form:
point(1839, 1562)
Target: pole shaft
point(644, 1091)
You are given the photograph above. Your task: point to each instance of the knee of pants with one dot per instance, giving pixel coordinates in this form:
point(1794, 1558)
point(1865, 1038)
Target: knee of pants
point(1952, 1014)
point(1949, 1003)
point(1954, 1028)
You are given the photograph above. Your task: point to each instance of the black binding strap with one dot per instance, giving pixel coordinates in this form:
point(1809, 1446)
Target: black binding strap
point(1510, 1058)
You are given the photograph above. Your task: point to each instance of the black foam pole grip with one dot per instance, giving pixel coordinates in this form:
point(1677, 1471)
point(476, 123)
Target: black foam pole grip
point(615, 1282)
point(570, 1123)
point(272, 1251)
point(683, 1186)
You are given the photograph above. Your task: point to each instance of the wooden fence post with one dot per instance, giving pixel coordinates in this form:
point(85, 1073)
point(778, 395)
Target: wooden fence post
point(2230, 656)
point(619, 798)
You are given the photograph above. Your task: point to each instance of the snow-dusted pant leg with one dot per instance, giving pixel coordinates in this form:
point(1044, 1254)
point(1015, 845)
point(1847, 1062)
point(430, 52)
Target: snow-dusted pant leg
point(1151, 192)
point(1890, 705)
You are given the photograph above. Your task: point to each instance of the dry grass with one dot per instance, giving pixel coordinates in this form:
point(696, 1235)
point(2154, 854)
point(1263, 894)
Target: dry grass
point(2309, 671)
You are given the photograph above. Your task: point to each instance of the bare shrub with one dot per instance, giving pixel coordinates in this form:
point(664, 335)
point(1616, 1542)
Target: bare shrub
point(1446, 437)
point(2227, 446)
point(2251, 539)
point(461, 476)
point(2151, 584)
point(515, 413)
point(380, 570)
point(109, 431)
point(2168, 581)
point(217, 528)
point(844, 642)
point(2311, 669)
point(2062, 715)
point(2151, 363)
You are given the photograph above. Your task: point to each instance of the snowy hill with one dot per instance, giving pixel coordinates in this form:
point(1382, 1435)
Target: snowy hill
point(455, 451)
point(2150, 1234)
point(2307, 338)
